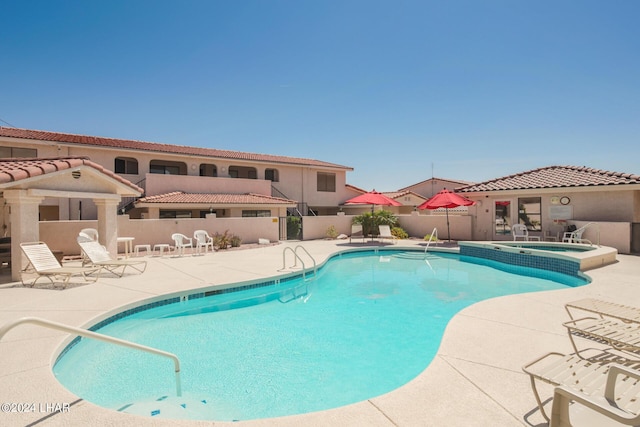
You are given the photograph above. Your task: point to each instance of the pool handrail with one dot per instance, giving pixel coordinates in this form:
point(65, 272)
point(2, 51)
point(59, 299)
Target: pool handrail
point(297, 258)
point(100, 337)
point(433, 233)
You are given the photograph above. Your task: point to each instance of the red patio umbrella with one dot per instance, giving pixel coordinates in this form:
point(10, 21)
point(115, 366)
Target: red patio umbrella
point(373, 198)
point(446, 199)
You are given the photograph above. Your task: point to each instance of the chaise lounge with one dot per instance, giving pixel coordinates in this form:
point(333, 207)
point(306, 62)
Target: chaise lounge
point(99, 257)
point(43, 263)
point(584, 376)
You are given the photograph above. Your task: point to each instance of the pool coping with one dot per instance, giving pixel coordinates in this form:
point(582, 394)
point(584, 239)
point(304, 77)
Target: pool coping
point(469, 361)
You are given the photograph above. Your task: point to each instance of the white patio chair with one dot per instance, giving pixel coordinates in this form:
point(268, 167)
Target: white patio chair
point(519, 231)
point(576, 235)
point(181, 243)
point(203, 240)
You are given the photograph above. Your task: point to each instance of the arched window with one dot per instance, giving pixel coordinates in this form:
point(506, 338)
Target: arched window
point(208, 170)
point(126, 165)
point(271, 175)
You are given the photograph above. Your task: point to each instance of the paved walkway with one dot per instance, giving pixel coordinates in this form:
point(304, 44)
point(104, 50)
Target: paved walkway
point(475, 379)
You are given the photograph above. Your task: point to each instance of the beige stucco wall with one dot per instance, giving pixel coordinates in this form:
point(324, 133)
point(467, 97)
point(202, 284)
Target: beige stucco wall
point(416, 225)
point(613, 210)
point(161, 184)
point(61, 235)
point(296, 182)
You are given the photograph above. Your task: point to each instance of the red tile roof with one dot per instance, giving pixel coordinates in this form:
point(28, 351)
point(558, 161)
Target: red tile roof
point(66, 138)
point(555, 177)
point(12, 170)
point(216, 199)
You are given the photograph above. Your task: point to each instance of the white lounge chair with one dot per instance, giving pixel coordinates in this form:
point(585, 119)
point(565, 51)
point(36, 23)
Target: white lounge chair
point(385, 233)
point(182, 242)
point(43, 263)
point(623, 336)
point(98, 256)
point(580, 376)
point(203, 240)
point(604, 308)
point(356, 232)
point(618, 404)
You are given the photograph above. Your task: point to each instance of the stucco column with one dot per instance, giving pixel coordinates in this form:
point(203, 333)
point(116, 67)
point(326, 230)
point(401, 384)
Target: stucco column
point(108, 224)
point(25, 225)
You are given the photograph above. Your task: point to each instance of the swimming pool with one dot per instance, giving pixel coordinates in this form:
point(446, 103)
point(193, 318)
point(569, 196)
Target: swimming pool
point(369, 323)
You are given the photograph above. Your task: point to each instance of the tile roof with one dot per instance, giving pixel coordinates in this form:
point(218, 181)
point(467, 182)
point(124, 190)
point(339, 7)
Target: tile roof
point(555, 177)
point(12, 170)
point(454, 181)
point(66, 138)
point(353, 187)
point(217, 199)
point(400, 193)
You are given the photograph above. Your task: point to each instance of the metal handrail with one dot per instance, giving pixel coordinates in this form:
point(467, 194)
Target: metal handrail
point(433, 233)
point(315, 269)
point(89, 334)
point(297, 258)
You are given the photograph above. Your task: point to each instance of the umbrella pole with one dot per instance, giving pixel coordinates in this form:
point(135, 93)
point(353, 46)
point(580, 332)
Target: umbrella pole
point(448, 230)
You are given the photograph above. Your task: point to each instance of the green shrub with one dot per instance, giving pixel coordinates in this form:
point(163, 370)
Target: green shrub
point(332, 233)
point(235, 241)
point(371, 221)
point(294, 227)
point(430, 237)
point(399, 233)
point(222, 241)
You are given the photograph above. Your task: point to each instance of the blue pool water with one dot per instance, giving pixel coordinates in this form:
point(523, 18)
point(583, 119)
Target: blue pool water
point(369, 323)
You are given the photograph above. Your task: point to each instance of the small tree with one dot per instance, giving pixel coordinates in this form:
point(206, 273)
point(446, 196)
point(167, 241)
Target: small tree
point(332, 233)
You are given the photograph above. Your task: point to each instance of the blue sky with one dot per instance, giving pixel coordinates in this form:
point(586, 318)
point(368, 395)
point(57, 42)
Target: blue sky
point(468, 89)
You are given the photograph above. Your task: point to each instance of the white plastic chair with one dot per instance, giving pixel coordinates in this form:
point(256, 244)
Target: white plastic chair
point(519, 231)
point(182, 242)
point(92, 233)
point(576, 236)
point(203, 240)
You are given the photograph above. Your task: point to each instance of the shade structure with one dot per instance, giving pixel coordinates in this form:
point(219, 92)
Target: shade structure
point(446, 199)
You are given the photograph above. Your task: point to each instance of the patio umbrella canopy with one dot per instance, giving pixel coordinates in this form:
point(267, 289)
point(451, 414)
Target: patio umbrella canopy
point(373, 198)
point(446, 199)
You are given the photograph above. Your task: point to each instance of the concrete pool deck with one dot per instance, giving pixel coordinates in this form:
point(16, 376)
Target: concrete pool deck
point(475, 379)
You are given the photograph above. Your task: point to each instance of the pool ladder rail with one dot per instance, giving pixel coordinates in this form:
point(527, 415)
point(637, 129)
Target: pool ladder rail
point(296, 258)
point(100, 337)
point(431, 239)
